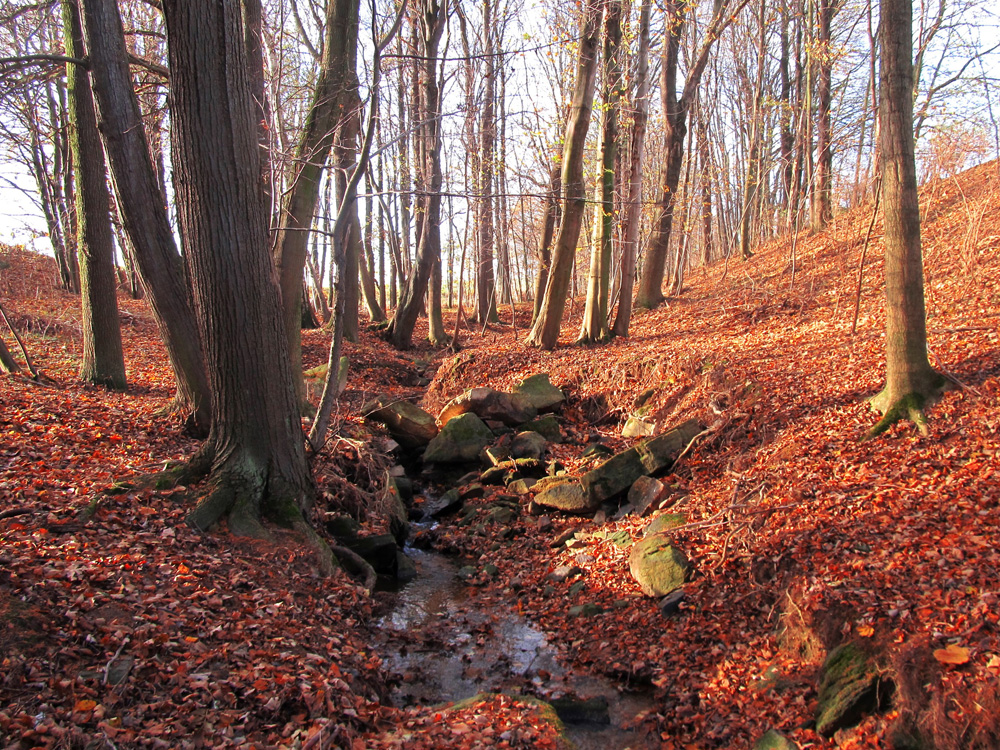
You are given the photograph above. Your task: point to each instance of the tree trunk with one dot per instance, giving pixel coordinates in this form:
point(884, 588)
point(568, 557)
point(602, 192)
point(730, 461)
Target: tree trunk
point(595, 316)
point(259, 468)
point(103, 361)
point(545, 331)
point(910, 380)
point(550, 221)
point(311, 154)
point(143, 214)
point(633, 204)
point(486, 292)
point(432, 20)
point(675, 111)
point(822, 196)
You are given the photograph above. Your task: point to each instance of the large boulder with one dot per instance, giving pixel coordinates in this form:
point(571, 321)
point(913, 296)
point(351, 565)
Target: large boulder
point(619, 473)
point(395, 510)
point(566, 495)
point(461, 439)
point(540, 392)
point(410, 425)
point(379, 551)
point(657, 565)
point(489, 404)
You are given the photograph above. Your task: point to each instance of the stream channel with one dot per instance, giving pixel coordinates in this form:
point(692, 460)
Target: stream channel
point(445, 643)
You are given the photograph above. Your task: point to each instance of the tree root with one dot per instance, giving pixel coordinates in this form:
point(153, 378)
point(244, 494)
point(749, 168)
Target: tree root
point(357, 565)
point(911, 406)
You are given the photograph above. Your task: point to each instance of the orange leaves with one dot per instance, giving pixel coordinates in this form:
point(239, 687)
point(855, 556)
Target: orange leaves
point(952, 654)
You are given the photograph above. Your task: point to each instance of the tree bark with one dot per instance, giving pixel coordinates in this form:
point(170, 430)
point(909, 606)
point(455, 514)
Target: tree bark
point(910, 380)
point(675, 112)
point(595, 316)
point(550, 222)
point(103, 360)
point(545, 331)
point(432, 20)
point(822, 195)
point(259, 468)
point(142, 210)
point(633, 204)
point(311, 154)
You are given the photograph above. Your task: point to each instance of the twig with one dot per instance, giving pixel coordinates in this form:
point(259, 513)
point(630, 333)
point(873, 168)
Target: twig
point(107, 667)
point(688, 447)
point(314, 740)
point(24, 352)
point(864, 254)
point(13, 513)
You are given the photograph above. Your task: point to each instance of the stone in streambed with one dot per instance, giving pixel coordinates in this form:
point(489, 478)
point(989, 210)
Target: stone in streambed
point(461, 439)
point(582, 711)
point(489, 404)
point(407, 423)
point(567, 496)
point(528, 444)
point(547, 426)
point(852, 685)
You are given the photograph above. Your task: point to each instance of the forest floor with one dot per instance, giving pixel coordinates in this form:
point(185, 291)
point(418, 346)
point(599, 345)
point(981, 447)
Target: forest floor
point(129, 629)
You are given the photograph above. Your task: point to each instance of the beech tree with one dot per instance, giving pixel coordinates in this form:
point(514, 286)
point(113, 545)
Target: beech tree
point(545, 331)
point(910, 381)
point(255, 450)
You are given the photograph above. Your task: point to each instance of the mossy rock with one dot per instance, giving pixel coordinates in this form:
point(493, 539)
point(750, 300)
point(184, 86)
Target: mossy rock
point(774, 740)
point(665, 522)
point(461, 439)
point(547, 426)
point(540, 392)
point(853, 684)
point(567, 496)
point(657, 565)
point(410, 425)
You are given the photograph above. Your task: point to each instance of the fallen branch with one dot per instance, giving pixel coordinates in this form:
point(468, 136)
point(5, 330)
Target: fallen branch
point(14, 513)
point(24, 352)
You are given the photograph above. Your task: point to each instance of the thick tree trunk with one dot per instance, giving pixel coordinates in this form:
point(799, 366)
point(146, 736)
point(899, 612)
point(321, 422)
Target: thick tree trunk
point(486, 292)
point(259, 468)
point(910, 380)
point(143, 214)
point(633, 204)
point(103, 361)
point(595, 315)
point(311, 154)
point(545, 331)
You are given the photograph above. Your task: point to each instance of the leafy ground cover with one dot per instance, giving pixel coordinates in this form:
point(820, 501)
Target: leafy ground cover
point(128, 629)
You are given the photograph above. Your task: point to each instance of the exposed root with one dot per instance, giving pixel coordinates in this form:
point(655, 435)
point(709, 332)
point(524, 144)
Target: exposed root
point(357, 565)
point(911, 406)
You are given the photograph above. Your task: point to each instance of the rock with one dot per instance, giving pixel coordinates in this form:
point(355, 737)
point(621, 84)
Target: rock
point(341, 527)
point(576, 588)
point(596, 450)
point(567, 496)
point(671, 604)
point(851, 686)
point(586, 610)
point(663, 523)
point(642, 398)
point(623, 512)
point(600, 517)
point(774, 740)
point(544, 523)
point(466, 572)
point(499, 453)
point(564, 537)
point(521, 486)
point(407, 423)
point(396, 471)
point(486, 403)
point(539, 392)
point(657, 566)
point(406, 571)
point(644, 493)
point(395, 509)
point(449, 502)
point(619, 473)
point(528, 444)
point(563, 573)
point(584, 558)
point(495, 476)
point(621, 539)
point(405, 487)
point(501, 514)
point(491, 570)
point(472, 491)
point(580, 711)
point(547, 426)
point(461, 439)
point(378, 550)
point(636, 427)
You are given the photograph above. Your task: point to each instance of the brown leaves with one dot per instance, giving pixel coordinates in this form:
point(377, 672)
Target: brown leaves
point(952, 654)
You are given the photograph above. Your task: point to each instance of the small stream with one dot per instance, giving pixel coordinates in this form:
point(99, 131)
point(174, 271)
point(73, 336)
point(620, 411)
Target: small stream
point(445, 644)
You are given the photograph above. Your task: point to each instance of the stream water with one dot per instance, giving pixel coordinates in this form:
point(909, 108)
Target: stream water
point(446, 644)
